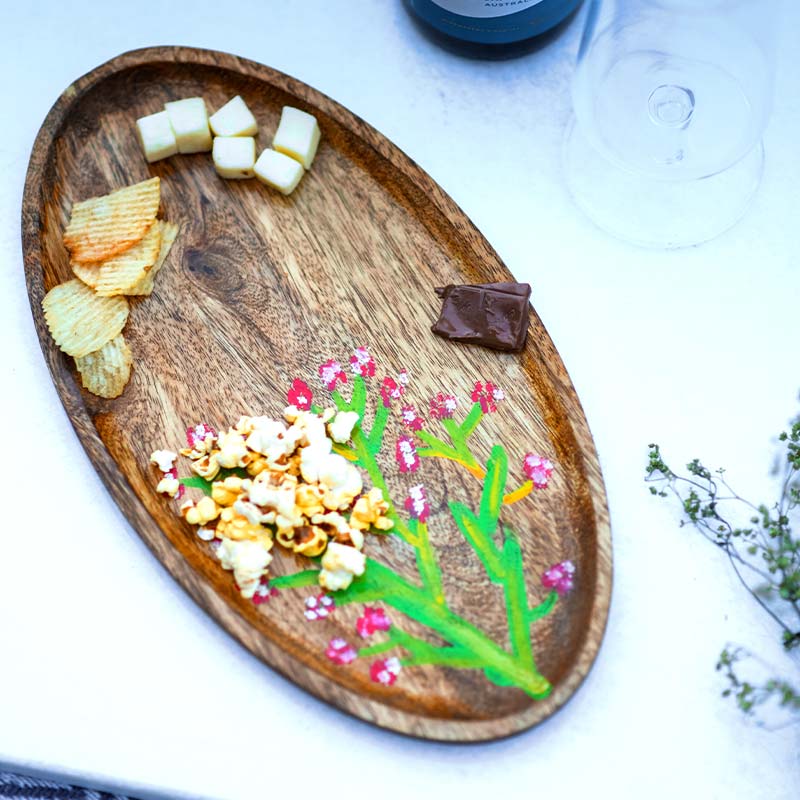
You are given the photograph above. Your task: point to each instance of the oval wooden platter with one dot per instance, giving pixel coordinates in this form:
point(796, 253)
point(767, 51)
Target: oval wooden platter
point(261, 289)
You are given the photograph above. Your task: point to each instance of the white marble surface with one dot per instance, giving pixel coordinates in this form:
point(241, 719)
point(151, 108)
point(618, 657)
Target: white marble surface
point(111, 674)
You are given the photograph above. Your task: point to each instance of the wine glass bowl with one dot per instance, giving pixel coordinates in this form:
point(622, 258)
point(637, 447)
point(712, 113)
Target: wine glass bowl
point(671, 91)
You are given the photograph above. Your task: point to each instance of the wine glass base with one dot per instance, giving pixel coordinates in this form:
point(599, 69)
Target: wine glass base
point(658, 213)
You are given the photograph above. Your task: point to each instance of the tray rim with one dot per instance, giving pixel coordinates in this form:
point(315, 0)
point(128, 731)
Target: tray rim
point(279, 660)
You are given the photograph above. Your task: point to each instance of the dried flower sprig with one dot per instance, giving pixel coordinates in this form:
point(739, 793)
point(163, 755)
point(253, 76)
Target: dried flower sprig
point(764, 554)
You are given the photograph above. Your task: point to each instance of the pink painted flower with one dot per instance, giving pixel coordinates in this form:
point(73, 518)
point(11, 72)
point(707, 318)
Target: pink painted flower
point(264, 593)
point(331, 373)
point(385, 670)
point(538, 469)
point(197, 435)
point(390, 391)
point(417, 503)
point(340, 652)
point(410, 418)
point(300, 395)
point(405, 454)
point(373, 619)
point(559, 577)
point(443, 406)
point(319, 607)
point(488, 396)
point(402, 379)
point(362, 363)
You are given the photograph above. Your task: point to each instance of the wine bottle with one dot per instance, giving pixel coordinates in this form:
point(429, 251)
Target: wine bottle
point(491, 28)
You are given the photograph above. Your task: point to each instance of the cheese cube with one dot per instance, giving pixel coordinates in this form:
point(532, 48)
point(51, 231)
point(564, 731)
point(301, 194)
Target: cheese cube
point(234, 156)
point(189, 120)
point(234, 119)
point(156, 136)
point(279, 171)
point(297, 135)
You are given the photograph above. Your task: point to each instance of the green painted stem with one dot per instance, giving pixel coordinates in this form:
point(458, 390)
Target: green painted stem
point(543, 609)
point(436, 447)
point(519, 627)
point(308, 577)
point(416, 604)
point(366, 459)
point(426, 562)
point(375, 438)
point(471, 421)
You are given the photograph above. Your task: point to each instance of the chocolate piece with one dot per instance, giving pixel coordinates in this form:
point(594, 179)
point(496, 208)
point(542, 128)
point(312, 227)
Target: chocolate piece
point(493, 315)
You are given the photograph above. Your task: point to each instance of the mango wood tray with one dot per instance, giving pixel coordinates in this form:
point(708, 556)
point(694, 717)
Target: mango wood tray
point(262, 289)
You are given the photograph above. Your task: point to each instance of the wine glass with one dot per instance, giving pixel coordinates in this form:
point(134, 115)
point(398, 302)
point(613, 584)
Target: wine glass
point(671, 98)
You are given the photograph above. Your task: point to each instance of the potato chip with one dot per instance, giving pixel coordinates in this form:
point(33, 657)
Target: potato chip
point(107, 371)
point(119, 273)
point(106, 226)
point(169, 232)
point(81, 321)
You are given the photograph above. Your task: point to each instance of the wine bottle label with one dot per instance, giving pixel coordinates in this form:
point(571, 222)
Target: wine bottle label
point(485, 9)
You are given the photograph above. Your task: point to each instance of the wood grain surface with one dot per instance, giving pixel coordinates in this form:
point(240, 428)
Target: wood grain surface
point(260, 289)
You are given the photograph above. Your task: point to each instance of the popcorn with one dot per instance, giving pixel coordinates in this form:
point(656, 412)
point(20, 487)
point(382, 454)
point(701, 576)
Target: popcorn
point(200, 513)
point(206, 467)
point(233, 451)
point(370, 510)
point(237, 527)
point(341, 428)
point(340, 565)
point(169, 485)
point(229, 490)
point(163, 459)
point(308, 498)
point(343, 481)
point(310, 540)
point(297, 492)
point(248, 560)
point(340, 529)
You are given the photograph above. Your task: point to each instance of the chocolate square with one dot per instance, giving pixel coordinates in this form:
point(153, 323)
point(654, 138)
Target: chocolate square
point(493, 315)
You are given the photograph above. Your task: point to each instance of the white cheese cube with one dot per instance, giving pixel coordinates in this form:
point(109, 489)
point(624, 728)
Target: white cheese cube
point(234, 119)
point(279, 171)
point(156, 136)
point(189, 120)
point(297, 135)
point(234, 156)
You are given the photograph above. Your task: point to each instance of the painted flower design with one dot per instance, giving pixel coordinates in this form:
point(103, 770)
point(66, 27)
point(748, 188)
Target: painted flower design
point(198, 434)
point(299, 395)
point(362, 363)
point(318, 607)
point(443, 406)
point(331, 373)
point(538, 469)
point(340, 652)
point(385, 670)
point(488, 396)
point(264, 593)
point(417, 503)
point(390, 390)
point(406, 455)
point(410, 418)
point(559, 577)
point(373, 619)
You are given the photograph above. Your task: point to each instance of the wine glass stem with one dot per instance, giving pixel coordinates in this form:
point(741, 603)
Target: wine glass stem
point(671, 108)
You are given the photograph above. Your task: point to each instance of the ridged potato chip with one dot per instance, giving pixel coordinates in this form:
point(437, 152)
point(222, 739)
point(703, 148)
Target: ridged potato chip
point(169, 232)
point(106, 226)
point(107, 371)
point(120, 273)
point(81, 321)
